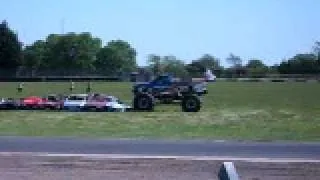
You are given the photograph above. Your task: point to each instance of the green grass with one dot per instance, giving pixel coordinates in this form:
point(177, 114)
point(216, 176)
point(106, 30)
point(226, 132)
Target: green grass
point(231, 110)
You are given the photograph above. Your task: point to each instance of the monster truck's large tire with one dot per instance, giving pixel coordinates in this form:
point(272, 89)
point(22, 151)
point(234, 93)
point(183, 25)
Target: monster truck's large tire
point(144, 102)
point(191, 103)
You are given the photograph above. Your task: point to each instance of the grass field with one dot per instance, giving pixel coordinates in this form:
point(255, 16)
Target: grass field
point(231, 110)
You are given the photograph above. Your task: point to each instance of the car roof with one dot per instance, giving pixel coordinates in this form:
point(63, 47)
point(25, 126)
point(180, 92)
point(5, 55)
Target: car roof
point(78, 95)
point(32, 97)
point(52, 95)
point(112, 97)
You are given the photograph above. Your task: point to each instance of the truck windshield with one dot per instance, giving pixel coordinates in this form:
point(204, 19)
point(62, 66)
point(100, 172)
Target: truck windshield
point(161, 79)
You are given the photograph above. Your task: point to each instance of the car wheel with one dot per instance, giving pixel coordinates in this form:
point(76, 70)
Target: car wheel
point(106, 109)
point(191, 103)
point(58, 107)
point(143, 102)
point(81, 108)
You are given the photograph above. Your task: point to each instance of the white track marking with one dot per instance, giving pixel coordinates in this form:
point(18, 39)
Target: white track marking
point(193, 158)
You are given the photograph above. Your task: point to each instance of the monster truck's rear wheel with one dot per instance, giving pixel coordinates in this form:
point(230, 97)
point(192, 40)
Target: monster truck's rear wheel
point(191, 103)
point(143, 101)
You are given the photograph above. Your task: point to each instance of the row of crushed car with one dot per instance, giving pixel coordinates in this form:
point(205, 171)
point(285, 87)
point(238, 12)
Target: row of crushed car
point(72, 102)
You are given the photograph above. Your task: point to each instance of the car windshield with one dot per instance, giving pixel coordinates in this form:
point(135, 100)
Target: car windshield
point(99, 98)
point(111, 99)
point(119, 101)
point(108, 99)
point(77, 98)
point(52, 98)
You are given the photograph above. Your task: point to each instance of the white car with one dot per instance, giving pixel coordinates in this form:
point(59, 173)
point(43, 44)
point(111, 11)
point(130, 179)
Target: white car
point(75, 102)
point(101, 102)
point(114, 104)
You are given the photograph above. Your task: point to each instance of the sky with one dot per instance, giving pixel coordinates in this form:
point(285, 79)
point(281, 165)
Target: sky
point(270, 30)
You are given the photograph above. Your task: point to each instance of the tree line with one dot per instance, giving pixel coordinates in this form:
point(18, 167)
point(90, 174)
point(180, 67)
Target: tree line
point(82, 52)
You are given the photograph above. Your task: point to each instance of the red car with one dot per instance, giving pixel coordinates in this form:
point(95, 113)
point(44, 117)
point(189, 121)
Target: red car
point(97, 102)
point(32, 102)
point(53, 101)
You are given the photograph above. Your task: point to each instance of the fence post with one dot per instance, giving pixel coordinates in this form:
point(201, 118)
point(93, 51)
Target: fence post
point(20, 87)
point(228, 172)
point(71, 86)
point(88, 86)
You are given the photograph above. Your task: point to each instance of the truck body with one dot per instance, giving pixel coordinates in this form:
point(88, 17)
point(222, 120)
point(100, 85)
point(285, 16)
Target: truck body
point(165, 87)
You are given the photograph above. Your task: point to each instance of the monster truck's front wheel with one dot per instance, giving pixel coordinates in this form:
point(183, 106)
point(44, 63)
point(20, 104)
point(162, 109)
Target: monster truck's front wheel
point(191, 103)
point(143, 101)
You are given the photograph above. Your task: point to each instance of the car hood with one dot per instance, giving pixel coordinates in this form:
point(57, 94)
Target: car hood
point(141, 83)
point(95, 103)
point(74, 102)
point(117, 105)
point(52, 102)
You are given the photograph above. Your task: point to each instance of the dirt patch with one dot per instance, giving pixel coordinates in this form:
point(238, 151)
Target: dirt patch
point(279, 171)
point(47, 168)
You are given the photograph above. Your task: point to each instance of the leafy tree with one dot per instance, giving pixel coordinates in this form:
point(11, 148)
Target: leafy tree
point(300, 64)
point(84, 50)
point(255, 63)
point(195, 69)
point(105, 63)
point(166, 64)
point(54, 54)
point(10, 47)
point(273, 69)
point(174, 66)
point(234, 60)
point(236, 64)
point(256, 67)
point(207, 61)
point(35, 54)
point(72, 51)
point(155, 64)
point(117, 56)
point(316, 49)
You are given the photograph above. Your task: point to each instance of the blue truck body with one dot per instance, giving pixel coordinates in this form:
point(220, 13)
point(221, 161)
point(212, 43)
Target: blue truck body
point(166, 83)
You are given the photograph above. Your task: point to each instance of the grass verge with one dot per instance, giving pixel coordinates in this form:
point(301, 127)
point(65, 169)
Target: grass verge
point(238, 111)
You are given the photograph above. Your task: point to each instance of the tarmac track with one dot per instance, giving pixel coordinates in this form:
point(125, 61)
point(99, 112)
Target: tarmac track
point(71, 158)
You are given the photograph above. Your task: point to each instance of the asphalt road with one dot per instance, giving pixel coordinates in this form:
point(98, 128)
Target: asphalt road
point(161, 147)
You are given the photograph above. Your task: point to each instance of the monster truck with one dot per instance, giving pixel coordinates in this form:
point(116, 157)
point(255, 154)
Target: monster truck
point(144, 101)
point(166, 89)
